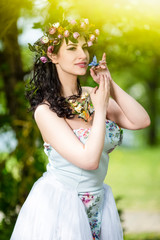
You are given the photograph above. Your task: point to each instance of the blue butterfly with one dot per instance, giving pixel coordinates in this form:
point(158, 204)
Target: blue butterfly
point(94, 62)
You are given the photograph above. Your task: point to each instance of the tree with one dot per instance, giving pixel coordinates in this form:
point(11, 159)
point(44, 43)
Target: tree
point(133, 58)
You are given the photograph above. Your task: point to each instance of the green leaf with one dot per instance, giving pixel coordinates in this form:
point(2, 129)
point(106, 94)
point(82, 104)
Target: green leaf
point(72, 39)
point(31, 48)
point(65, 23)
point(37, 25)
point(66, 40)
point(51, 37)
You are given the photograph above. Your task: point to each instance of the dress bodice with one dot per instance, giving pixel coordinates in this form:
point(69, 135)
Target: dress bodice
point(80, 179)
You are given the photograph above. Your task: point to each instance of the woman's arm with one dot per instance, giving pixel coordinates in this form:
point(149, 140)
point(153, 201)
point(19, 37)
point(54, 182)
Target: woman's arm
point(122, 108)
point(125, 110)
point(61, 137)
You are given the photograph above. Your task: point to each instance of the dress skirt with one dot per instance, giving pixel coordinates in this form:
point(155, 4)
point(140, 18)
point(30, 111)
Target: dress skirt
point(55, 211)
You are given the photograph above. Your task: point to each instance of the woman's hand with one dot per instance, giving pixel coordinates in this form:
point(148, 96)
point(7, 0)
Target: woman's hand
point(100, 96)
point(101, 69)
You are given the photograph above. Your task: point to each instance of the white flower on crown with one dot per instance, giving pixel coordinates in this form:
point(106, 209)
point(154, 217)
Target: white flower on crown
point(92, 37)
point(97, 32)
point(73, 21)
point(83, 25)
point(56, 25)
point(89, 43)
point(44, 39)
point(86, 20)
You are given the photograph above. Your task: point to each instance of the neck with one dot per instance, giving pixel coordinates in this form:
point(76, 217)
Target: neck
point(68, 81)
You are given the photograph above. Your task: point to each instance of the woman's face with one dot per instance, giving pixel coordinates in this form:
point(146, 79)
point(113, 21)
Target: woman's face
point(73, 58)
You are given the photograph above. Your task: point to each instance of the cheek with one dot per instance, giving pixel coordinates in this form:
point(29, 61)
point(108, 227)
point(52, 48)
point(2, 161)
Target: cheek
point(66, 65)
point(88, 55)
point(64, 61)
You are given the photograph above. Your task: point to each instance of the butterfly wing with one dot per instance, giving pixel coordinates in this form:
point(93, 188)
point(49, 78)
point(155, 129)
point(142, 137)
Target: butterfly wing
point(94, 62)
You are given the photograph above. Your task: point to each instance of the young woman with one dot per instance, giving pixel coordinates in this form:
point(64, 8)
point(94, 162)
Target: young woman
point(80, 126)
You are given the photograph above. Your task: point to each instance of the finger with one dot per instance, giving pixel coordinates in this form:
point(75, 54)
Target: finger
point(104, 57)
point(103, 66)
point(108, 86)
point(97, 67)
point(107, 82)
point(92, 72)
point(102, 83)
point(103, 63)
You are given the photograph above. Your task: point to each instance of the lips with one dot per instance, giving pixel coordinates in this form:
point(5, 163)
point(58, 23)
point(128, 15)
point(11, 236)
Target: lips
point(82, 64)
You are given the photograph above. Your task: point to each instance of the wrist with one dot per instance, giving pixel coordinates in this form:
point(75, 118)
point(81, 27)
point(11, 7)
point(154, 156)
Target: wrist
point(101, 112)
point(112, 88)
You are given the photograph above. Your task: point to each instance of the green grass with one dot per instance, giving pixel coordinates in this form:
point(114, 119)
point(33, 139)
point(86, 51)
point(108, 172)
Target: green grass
point(134, 174)
point(147, 236)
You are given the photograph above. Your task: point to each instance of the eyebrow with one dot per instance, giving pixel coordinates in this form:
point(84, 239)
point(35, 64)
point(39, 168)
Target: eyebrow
point(74, 44)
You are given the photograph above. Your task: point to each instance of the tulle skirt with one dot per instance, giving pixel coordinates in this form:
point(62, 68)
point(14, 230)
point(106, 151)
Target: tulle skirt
point(55, 211)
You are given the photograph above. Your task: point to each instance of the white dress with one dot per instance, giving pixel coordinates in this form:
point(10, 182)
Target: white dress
point(71, 203)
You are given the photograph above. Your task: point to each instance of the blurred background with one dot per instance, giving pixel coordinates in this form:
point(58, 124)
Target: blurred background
point(130, 36)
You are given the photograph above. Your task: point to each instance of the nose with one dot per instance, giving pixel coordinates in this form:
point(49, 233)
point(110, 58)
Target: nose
point(82, 54)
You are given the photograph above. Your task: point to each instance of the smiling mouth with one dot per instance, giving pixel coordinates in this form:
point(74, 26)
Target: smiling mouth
point(82, 65)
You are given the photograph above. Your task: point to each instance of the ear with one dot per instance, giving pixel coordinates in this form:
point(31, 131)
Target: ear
point(53, 57)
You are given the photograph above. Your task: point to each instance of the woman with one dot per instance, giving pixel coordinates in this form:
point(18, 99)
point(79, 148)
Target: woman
point(80, 126)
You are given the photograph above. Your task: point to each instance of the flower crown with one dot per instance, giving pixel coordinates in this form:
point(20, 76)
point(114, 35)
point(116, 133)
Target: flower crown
point(68, 30)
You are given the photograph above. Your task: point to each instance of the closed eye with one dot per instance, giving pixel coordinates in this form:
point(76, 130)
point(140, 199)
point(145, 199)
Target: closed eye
point(73, 48)
point(86, 47)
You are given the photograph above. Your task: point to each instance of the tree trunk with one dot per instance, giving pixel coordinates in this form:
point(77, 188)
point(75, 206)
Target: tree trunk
point(12, 72)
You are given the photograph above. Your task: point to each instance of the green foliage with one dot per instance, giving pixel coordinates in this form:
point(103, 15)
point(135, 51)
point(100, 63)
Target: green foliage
point(130, 39)
point(144, 236)
point(134, 174)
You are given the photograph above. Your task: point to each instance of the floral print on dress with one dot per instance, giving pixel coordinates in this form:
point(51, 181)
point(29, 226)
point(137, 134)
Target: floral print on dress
point(93, 202)
point(115, 133)
point(47, 148)
point(82, 133)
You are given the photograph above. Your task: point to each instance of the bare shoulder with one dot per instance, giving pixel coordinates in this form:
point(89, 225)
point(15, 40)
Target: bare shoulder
point(41, 109)
point(44, 116)
point(51, 126)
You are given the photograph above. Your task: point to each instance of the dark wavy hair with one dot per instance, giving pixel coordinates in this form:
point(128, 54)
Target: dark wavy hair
point(45, 85)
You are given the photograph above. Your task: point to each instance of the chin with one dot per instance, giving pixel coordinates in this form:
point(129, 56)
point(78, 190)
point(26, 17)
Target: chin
point(82, 72)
